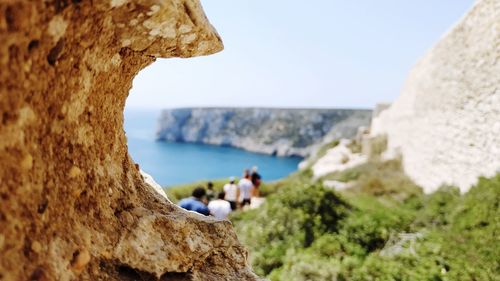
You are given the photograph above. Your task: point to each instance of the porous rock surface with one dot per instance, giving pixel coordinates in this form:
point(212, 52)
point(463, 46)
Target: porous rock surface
point(446, 123)
point(72, 204)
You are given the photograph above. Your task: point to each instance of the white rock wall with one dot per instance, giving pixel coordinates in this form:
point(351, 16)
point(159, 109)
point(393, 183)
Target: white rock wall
point(446, 123)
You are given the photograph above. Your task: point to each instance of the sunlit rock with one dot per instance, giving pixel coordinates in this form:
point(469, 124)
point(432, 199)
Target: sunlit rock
point(446, 123)
point(336, 159)
point(73, 206)
point(282, 132)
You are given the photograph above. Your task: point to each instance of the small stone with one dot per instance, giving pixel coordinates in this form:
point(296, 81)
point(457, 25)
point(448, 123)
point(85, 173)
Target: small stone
point(153, 10)
point(126, 42)
point(118, 3)
point(27, 162)
point(74, 172)
point(127, 218)
point(106, 254)
point(57, 27)
point(76, 192)
point(36, 247)
point(81, 259)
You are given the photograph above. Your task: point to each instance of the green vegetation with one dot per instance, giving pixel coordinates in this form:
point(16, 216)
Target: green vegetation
point(382, 228)
point(178, 192)
point(379, 178)
point(305, 231)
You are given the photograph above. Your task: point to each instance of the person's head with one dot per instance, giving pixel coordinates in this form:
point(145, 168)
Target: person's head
point(231, 180)
point(221, 195)
point(210, 185)
point(246, 173)
point(199, 193)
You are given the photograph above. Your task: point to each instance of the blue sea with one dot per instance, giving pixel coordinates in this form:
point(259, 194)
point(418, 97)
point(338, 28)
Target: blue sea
point(177, 163)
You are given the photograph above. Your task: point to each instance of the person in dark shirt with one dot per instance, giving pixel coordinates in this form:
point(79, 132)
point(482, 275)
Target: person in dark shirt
point(195, 202)
point(256, 179)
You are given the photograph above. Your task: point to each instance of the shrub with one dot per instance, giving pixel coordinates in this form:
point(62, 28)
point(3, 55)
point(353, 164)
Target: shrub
point(290, 219)
point(307, 232)
point(437, 209)
point(380, 178)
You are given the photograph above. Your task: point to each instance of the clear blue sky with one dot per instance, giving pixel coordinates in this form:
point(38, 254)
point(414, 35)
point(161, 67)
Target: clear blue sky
point(291, 53)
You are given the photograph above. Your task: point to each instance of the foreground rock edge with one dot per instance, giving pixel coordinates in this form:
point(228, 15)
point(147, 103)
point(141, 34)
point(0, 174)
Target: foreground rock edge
point(73, 206)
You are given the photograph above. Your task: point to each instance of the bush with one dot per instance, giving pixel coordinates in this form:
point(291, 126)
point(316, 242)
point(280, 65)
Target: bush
point(290, 219)
point(371, 229)
point(437, 209)
point(307, 232)
point(380, 179)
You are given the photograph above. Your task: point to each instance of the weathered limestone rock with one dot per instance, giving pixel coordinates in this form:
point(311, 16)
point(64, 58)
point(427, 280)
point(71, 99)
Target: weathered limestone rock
point(72, 204)
point(336, 159)
point(446, 123)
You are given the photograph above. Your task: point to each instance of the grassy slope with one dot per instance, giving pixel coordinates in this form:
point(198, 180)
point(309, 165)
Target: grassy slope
point(308, 232)
point(178, 192)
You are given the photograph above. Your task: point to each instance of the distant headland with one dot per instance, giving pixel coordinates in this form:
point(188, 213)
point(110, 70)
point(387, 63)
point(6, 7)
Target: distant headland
point(275, 131)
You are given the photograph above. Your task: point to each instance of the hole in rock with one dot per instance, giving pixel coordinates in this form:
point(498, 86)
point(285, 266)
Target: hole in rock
point(127, 273)
point(37, 275)
point(33, 44)
point(179, 135)
point(176, 276)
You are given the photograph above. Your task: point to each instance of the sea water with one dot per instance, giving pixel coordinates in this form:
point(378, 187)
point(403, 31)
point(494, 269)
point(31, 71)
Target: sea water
point(176, 163)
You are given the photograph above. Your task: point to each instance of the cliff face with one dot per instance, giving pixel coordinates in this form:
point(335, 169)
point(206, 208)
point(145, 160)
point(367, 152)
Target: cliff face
point(446, 123)
point(283, 132)
point(72, 204)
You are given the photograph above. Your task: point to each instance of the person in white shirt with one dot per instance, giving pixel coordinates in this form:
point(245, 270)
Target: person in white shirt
point(219, 208)
point(232, 193)
point(246, 188)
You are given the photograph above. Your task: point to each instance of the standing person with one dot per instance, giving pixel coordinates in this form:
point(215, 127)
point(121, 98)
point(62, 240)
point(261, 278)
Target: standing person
point(210, 191)
point(246, 188)
point(195, 202)
point(219, 208)
point(232, 193)
point(256, 179)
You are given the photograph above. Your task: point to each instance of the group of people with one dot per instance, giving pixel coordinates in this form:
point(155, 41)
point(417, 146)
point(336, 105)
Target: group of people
point(232, 197)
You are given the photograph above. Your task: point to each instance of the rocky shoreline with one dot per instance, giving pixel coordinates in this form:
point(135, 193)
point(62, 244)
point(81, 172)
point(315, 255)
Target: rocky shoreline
point(274, 131)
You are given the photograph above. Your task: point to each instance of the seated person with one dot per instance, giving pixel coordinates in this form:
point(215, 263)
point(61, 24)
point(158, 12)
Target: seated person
point(219, 208)
point(195, 202)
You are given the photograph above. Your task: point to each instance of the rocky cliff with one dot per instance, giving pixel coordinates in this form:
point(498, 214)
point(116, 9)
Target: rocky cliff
point(282, 132)
point(73, 206)
point(446, 123)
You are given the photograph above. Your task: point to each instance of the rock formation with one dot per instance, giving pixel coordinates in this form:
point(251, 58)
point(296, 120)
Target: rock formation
point(337, 159)
point(283, 132)
point(72, 204)
point(446, 123)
